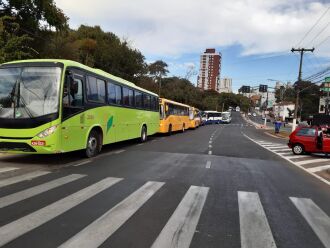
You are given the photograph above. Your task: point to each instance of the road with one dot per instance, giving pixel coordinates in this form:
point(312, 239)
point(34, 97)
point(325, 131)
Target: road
point(216, 186)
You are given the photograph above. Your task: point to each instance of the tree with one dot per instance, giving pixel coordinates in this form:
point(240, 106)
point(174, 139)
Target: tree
point(12, 45)
point(158, 69)
point(35, 15)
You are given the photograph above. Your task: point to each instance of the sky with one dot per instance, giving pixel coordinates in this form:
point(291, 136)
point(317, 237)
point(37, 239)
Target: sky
point(254, 36)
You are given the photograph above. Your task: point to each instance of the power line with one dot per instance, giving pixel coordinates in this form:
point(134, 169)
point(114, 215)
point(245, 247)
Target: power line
point(308, 32)
point(322, 41)
point(322, 30)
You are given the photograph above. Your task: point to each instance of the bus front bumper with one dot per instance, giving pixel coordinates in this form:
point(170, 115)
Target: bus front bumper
point(33, 146)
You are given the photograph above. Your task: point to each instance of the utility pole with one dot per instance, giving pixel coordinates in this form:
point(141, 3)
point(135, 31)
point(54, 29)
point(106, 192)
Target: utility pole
point(301, 50)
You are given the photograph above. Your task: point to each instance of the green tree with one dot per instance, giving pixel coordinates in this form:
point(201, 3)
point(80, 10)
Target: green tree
point(35, 15)
point(12, 45)
point(158, 69)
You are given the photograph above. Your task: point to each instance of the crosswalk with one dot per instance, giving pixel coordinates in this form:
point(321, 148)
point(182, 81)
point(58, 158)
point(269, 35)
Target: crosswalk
point(314, 163)
point(178, 231)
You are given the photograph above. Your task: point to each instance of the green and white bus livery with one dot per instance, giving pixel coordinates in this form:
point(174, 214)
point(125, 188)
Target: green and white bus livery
point(56, 106)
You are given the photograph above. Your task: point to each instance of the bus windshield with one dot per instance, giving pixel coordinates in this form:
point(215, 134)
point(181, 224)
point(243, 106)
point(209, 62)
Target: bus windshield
point(29, 92)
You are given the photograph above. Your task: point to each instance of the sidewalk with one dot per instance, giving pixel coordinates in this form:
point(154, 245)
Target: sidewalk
point(269, 130)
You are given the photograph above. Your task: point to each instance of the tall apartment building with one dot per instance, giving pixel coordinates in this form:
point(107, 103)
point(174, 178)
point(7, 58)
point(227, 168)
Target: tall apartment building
point(209, 71)
point(225, 85)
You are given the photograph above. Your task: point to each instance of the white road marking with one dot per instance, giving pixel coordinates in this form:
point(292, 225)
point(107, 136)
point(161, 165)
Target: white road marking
point(254, 227)
point(119, 151)
point(24, 177)
point(210, 152)
point(210, 146)
point(98, 231)
point(295, 156)
point(180, 228)
point(316, 218)
point(311, 161)
point(280, 149)
point(210, 142)
point(27, 223)
point(82, 163)
point(319, 168)
point(265, 143)
point(27, 193)
point(275, 147)
point(7, 169)
point(285, 152)
point(208, 165)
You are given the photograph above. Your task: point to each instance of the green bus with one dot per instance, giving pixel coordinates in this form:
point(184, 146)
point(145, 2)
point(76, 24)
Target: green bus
point(53, 106)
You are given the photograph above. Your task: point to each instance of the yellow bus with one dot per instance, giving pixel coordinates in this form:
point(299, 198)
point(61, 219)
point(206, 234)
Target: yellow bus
point(174, 116)
point(194, 117)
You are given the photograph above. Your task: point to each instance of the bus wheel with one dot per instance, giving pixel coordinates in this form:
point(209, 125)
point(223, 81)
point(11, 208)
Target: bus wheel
point(170, 129)
point(144, 135)
point(93, 144)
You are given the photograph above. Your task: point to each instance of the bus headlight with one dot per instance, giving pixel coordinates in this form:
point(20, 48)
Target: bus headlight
point(47, 132)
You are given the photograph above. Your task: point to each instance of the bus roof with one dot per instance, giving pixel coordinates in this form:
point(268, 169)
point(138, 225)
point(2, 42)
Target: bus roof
point(173, 102)
point(211, 111)
point(82, 66)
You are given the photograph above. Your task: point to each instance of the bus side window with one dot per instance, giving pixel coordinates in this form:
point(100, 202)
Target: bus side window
point(73, 92)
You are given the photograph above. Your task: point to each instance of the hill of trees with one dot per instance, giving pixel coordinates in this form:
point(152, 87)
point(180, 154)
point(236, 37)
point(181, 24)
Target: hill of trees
point(39, 29)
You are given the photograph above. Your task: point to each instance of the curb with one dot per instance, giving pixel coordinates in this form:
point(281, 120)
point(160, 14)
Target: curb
point(275, 136)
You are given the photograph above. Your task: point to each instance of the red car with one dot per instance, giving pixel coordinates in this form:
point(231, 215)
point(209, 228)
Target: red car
point(310, 140)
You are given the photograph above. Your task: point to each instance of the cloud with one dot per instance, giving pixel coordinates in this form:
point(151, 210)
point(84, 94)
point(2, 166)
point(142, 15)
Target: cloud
point(175, 27)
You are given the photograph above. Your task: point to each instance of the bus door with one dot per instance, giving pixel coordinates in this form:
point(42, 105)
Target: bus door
point(73, 117)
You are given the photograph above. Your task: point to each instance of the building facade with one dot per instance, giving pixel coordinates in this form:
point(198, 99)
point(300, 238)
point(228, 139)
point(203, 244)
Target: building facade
point(283, 110)
point(225, 85)
point(209, 71)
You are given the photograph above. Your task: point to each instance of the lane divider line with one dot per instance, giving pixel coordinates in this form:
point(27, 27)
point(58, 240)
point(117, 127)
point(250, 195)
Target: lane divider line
point(208, 165)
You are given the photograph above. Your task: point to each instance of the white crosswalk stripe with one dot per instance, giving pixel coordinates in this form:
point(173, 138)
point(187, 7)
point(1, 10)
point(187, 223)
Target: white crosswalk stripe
point(7, 169)
point(254, 227)
point(179, 230)
point(311, 161)
point(27, 193)
point(102, 228)
point(27, 223)
point(295, 156)
point(316, 218)
point(275, 146)
point(24, 177)
point(319, 168)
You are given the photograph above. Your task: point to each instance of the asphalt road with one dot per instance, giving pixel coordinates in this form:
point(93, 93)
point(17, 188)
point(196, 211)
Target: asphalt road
point(209, 187)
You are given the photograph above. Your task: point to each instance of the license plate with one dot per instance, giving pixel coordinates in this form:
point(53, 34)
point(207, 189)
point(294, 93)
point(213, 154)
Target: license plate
point(38, 142)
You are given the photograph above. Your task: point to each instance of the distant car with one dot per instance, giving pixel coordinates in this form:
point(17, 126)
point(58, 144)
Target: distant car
point(254, 114)
point(249, 114)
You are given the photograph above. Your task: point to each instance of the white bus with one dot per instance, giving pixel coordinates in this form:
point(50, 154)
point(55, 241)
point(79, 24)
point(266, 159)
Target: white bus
point(210, 117)
point(225, 117)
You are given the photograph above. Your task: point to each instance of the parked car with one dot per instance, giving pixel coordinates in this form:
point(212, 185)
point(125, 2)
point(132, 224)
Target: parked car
point(310, 140)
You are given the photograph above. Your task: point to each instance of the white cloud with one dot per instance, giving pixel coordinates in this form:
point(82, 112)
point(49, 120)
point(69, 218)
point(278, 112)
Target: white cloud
point(175, 27)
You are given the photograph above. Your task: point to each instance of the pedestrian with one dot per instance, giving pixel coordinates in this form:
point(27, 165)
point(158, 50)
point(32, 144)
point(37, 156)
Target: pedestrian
point(277, 126)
